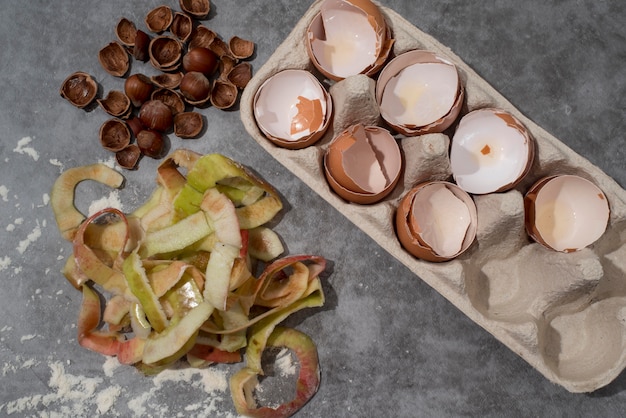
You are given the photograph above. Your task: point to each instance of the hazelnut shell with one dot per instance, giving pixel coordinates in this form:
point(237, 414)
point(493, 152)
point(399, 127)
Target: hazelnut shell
point(197, 8)
point(168, 80)
point(240, 75)
point(173, 99)
point(156, 115)
point(188, 124)
point(159, 19)
point(79, 88)
point(116, 103)
point(223, 94)
point(114, 59)
point(182, 26)
point(165, 53)
point(128, 157)
point(126, 32)
point(241, 48)
point(114, 135)
point(201, 36)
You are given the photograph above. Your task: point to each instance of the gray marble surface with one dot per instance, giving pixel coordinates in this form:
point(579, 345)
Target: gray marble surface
point(389, 345)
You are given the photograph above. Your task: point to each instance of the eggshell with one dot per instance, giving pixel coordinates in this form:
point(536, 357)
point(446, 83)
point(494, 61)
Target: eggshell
point(491, 151)
point(348, 37)
point(419, 92)
point(436, 221)
point(293, 109)
point(363, 164)
point(566, 212)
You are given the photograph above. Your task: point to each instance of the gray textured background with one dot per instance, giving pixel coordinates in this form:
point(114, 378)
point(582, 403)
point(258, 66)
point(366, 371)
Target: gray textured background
point(388, 344)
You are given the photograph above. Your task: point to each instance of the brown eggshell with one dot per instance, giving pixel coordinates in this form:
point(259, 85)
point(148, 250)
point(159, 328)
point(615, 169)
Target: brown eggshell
point(408, 231)
point(399, 63)
point(343, 162)
point(581, 197)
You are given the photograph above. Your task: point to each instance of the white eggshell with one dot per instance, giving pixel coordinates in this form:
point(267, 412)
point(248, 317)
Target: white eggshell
point(568, 213)
point(420, 94)
point(490, 152)
point(291, 106)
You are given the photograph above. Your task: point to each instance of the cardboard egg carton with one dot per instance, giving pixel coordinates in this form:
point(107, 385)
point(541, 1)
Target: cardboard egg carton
point(565, 314)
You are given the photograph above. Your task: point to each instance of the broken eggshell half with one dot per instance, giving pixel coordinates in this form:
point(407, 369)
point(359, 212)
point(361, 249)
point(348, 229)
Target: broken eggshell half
point(363, 164)
point(348, 37)
point(419, 92)
point(566, 212)
point(292, 109)
point(436, 221)
point(491, 151)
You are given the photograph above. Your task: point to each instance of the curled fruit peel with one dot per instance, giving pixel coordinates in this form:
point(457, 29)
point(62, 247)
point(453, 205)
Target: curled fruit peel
point(174, 278)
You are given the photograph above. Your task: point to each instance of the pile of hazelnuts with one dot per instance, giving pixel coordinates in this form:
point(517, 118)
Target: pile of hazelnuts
point(197, 69)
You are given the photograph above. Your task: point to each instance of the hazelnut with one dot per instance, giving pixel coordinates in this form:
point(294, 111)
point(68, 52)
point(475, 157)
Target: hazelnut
point(156, 115)
point(151, 143)
point(240, 75)
point(195, 87)
point(128, 157)
point(200, 59)
point(171, 98)
point(138, 88)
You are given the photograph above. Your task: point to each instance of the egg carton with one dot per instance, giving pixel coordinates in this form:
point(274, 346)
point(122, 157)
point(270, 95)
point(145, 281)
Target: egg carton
point(564, 313)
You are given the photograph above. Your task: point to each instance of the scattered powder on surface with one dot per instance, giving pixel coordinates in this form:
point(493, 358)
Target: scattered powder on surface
point(4, 193)
point(110, 201)
point(30, 238)
point(22, 148)
point(110, 162)
point(19, 221)
point(107, 398)
point(46, 199)
point(10, 228)
point(27, 337)
point(284, 364)
point(5, 262)
point(57, 163)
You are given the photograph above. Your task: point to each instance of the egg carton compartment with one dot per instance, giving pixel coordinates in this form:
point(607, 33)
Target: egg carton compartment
point(564, 313)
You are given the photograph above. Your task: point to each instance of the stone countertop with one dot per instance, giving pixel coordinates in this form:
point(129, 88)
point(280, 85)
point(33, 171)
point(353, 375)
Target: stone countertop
point(389, 345)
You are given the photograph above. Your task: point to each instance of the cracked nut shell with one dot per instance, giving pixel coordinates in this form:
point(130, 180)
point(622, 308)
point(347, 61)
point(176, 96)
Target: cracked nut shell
point(197, 8)
point(165, 53)
point(159, 19)
point(114, 59)
point(188, 124)
point(126, 32)
point(79, 88)
point(128, 157)
point(114, 135)
point(116, 103)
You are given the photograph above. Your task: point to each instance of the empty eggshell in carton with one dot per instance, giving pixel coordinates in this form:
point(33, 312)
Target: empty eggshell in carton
point(293, 109)
point(348, 37)
point(491, 151)
point(436, 221)
point(566, 213)
point(419, 92)
point(363, 163)
point(558, 325)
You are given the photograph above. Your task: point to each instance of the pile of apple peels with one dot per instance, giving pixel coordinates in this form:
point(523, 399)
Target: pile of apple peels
point(174, 279)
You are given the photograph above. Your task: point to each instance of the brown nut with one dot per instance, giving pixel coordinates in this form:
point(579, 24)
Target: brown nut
point(241, 48)
point(138, 88)
point(116, 103)
point(165, 53)
point(167, 80)
point(200, 59)
point(196, 88)
point(197, 8)
point(188, 124)
point(223, 94)
point(140, 48)
point(79, 88)
point(114, 135)
point(226, 66)
point(240, 75)
point(159, 19)
point(114, 59)
point(128, 157)
point(135, 125)
point(201, 36)
point(181, 27)
point(156, 115)
point(151, 143)
point(126, 31)
point(173, 99)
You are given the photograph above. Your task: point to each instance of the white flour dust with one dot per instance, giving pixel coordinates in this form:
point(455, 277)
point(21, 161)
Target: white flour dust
point(23, 148)
point(67, 394)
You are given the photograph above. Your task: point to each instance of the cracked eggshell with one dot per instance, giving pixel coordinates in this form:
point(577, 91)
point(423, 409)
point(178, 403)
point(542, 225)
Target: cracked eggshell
point(292, 109)
point(566, 213)
point(348, 37)
point(491, 151)
point(419, 92)
point(363, 164)
point(436, 221)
